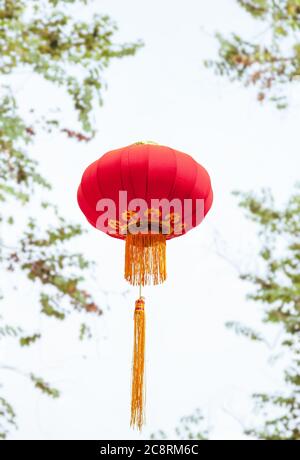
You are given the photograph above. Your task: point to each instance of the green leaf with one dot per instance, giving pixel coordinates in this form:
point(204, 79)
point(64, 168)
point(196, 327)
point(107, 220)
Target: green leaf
point(44, 387)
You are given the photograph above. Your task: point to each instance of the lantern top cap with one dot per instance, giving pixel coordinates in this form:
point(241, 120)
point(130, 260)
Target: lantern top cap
point(145, 143)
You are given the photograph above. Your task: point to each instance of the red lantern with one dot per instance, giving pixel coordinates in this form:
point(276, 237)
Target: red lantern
point(145, 194)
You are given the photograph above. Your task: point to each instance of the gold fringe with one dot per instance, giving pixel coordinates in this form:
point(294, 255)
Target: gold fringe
point(145, 259)
point(138, 393)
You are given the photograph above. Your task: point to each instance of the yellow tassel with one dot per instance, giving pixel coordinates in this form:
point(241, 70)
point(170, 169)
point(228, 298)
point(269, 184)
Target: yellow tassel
point(138, 392)
point(145, 259)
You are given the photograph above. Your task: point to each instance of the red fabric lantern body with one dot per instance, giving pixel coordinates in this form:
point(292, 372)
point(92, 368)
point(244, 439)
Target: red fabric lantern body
point(148, 172)
point(145, 194)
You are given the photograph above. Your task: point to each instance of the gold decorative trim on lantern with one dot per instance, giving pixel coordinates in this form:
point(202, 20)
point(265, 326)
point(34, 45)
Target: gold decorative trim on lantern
point(151, 222)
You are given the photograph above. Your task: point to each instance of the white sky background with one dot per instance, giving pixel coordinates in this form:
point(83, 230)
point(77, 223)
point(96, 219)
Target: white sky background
point(163, 94)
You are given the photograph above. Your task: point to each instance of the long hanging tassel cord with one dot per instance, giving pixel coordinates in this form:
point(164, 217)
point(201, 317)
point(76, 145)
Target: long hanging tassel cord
point(138, 391)
point(145, 263)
